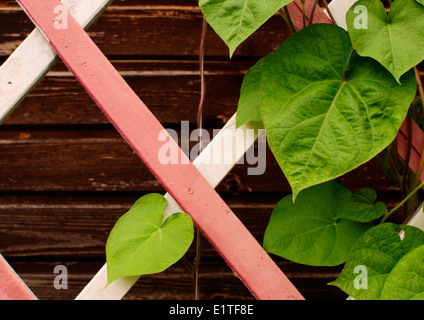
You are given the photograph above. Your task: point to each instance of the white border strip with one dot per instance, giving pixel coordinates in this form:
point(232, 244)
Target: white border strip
point(35, 57)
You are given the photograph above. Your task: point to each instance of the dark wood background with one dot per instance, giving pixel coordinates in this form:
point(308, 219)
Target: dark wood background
point(66, 175)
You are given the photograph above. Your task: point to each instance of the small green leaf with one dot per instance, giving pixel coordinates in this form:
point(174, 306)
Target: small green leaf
point(249, 106)
point(406, 281)
point(327, 110)
point(421, 2)
point(312, 231)
point(235, 20)
point(378, 250)
point(396, 41)
point(141, 243)
point(361, 207)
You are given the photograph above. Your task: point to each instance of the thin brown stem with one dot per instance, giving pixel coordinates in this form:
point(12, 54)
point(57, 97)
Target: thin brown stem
point(312, 14)
point(420, 84)
point(286, 16)
point(199, 127)
point(202, 83)
point(196, 265)
point(405, 172)
point(333, 21)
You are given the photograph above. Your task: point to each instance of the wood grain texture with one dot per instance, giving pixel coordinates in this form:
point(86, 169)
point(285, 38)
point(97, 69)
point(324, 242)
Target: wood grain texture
point(11, 285)
point(62, 213)
point(185, 184)
point(151, 29)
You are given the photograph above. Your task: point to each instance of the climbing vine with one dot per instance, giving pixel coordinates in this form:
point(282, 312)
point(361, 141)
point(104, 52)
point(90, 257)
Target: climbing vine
point(330, 100)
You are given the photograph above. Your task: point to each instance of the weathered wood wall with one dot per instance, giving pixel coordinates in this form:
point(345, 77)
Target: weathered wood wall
point(66, 175)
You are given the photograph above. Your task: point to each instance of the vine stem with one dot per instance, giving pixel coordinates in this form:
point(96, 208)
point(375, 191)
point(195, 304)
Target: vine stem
point(286, 16)
point(199, 127)
point(312, 15)
point(420, 84)
point(405, 172)
point(388, 214)
point(333, 21)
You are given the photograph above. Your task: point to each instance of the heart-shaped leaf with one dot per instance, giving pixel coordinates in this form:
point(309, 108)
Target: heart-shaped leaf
point(327, 110)
point(249, 106)
point(396, 40)
point(406, 281)
point(361, 207)
point(235, 20)
point(378, 250)
point(315, 230)
point(141, 243)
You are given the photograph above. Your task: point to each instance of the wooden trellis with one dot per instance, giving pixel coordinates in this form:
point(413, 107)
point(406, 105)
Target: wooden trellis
point(192, 185)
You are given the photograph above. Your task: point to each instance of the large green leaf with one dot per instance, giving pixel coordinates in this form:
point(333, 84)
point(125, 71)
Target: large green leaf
point(396, 40)
point(249, 106)
point(406, 281)
point(317, 229)
point(235, 20)
point(141, 243)
point(378, 250)
point(327, 110)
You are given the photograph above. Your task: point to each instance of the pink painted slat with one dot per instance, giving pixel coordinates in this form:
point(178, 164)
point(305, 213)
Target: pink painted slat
point(296, 13)
point(417, 145)
point(11, 285)
point(141, 129)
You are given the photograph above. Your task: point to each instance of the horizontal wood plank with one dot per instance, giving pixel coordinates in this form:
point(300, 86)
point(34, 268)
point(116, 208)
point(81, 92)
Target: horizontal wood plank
point(217, 281)
point(100, 160)
point(150, 30)
point(64, 183)
point(76, 226)
point(171, 90)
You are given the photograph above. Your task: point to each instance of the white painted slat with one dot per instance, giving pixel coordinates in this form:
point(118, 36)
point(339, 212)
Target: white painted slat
point(339, 9)
point(214, 173)
point(34, 57)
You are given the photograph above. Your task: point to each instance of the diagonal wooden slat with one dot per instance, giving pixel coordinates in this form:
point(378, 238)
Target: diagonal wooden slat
point(141, 129)
point(96, 289)
point(214, 173)
point(35, 57)
point(334, 4)
point(11, 285)
point(18, 75)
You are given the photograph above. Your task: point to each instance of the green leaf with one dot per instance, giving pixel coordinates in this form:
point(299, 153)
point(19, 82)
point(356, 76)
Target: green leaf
point(312, 231)
point(396, 40)
point(406, 281)
point(326, 109)
point(421, 2)
point(378, 250)
point(361, 207)
point(235, 20)
point(249, 106)
point(141, 243)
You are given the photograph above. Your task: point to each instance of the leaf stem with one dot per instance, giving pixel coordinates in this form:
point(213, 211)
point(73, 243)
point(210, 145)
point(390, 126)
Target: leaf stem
point(420, 84)
point(312, 14)
point(402, 202)
point(405, 172)
point(286, 16)
point(333, 21)
point(303, 12)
